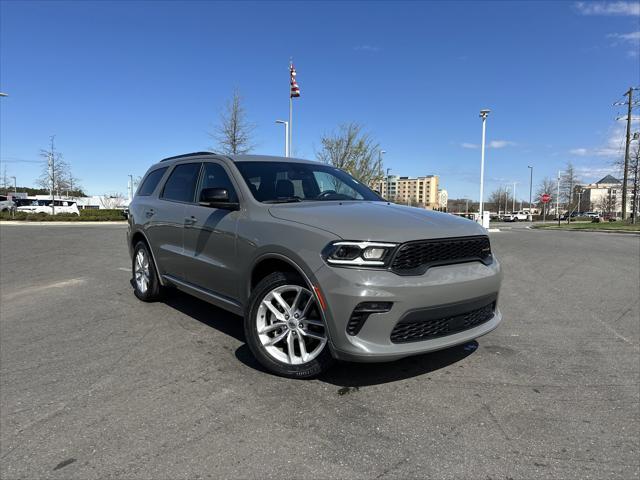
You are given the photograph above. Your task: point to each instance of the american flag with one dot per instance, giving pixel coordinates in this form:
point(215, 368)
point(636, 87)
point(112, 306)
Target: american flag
point(295, 90)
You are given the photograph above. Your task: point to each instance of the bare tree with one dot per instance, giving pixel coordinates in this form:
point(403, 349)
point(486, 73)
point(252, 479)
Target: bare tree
point(113, 200)
point(354, 151)
point(568, 181)
point(59, 178)
point(633, 177)
point(607, 204)
point(548, 186)
point(501, 199)
point(234, 134)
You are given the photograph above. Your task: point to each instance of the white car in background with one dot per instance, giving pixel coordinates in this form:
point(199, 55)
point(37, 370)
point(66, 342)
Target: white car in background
point(6, 205)
point(516, 217)
point(33, 205)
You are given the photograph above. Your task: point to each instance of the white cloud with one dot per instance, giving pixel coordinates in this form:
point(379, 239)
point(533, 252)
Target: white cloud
point(631, 37)
point(614, 146)
point(608, 8)
point(501, 143)
point(595, 173)
point(491, 144)
point(366, 48)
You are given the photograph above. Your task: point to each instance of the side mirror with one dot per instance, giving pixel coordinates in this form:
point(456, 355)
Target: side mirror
point(217, 198)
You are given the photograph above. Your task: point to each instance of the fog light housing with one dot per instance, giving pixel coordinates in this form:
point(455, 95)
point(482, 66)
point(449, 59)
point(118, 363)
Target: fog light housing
point(361, 314)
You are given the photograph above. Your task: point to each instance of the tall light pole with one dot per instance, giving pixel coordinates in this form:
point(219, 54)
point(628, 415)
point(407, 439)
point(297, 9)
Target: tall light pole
point(513, 207)
point(558, 199)
point(15, 185)
point(388, 184)
point(380, 154)
point(483, 115)
point(506, 198)
point(530, 189)
point(286, 136)
point(130, 187)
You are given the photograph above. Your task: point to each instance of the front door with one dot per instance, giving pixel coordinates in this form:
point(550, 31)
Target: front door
point(167, 218)
point(210, 239)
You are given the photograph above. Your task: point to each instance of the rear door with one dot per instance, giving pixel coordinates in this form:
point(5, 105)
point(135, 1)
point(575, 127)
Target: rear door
point(166, 218)
point(210, 238)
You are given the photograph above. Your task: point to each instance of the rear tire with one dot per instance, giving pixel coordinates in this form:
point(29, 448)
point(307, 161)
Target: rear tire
point(146, 285)
point(284, 328)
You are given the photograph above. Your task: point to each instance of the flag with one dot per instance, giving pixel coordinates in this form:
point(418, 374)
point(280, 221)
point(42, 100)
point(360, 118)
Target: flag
point(295, 90)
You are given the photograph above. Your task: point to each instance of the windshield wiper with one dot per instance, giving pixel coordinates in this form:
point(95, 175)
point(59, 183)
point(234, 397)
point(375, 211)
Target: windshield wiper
point(284, 200)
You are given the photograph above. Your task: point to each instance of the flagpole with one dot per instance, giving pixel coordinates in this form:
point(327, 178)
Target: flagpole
point(290, 110)
point(290, 121)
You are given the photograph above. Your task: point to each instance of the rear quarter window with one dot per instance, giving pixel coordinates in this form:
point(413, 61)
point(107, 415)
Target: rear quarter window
point(150, 183)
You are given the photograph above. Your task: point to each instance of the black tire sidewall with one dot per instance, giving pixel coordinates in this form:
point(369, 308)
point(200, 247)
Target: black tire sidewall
point(307, 370)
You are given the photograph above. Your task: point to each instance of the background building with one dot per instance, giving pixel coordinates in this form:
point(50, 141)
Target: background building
point(604, 196)
point(418, 192)
point(443, 199)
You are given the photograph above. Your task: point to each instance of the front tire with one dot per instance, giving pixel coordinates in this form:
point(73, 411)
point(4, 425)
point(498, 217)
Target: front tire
point(284, 328)
point(146, 285)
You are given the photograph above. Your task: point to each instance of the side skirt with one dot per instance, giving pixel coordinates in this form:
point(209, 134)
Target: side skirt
point(207, 295)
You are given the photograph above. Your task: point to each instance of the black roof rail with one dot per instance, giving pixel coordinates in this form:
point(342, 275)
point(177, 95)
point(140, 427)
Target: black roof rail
point(187, 155)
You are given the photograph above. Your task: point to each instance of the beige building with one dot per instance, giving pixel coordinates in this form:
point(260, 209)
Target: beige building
point(418, 192)
point(604, 196)
point(443, 199)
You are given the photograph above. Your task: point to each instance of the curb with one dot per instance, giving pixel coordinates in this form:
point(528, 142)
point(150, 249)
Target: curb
point(555, 229)
point(61, 224)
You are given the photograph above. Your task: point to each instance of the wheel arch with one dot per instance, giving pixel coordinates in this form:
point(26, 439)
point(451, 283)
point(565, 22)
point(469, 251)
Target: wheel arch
point(270, 262)
point(139, 236)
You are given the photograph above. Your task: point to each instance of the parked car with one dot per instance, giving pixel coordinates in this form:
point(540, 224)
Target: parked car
point(515, 217)
point(33, 205)
point(319, 266)
point(591, 214)
point(6, 205)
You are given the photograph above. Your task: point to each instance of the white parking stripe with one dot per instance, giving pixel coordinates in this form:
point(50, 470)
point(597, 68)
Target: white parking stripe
point(31, 290)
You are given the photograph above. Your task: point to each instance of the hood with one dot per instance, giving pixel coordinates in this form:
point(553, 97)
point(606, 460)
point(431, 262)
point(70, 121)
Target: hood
point(376, 221)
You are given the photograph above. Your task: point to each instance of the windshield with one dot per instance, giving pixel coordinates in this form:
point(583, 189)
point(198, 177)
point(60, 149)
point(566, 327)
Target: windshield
point(280, 182)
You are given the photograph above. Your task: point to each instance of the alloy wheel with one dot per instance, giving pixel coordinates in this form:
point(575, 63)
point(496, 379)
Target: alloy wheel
point(141, 271)
point(289, 325)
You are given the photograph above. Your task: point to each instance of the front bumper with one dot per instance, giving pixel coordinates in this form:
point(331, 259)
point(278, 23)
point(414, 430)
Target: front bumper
point(344, 288)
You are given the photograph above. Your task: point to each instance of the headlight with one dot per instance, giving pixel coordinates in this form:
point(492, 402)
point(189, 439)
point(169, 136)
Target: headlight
point(359, 254)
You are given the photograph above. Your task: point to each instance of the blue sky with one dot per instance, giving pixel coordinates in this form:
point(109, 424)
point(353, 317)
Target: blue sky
point(124, 84)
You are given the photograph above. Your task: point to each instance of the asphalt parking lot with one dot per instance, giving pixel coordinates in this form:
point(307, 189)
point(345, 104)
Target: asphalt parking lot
point(94, 383)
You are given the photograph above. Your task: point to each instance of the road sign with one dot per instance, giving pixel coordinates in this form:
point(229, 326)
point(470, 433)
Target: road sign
point(545, 197)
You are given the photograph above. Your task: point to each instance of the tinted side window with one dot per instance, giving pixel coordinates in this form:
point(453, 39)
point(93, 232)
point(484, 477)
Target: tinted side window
point(151, 182)
point(215, 176)
point(181, 184)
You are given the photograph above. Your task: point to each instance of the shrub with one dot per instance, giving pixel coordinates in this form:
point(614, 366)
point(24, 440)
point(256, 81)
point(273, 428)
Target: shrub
point(85, 216)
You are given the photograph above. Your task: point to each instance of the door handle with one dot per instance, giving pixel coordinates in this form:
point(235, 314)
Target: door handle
point(190, 220)
point(149, 213)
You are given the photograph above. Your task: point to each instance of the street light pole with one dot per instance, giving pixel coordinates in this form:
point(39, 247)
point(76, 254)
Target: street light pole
point(506, 198)
point(380, 154)
point(530, 190)
point(286, 136)
point(15, 185)
point(558, 199)
point(483, 115)
point(513, 207)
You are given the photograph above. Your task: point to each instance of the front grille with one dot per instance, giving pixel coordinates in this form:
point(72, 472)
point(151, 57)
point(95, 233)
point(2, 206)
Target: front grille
point(414, 258)
point(415, 329)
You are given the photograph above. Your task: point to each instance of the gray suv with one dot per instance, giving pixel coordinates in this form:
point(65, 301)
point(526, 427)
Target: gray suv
point(319, 265)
